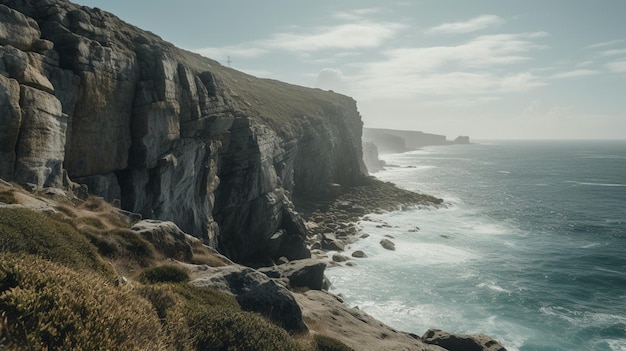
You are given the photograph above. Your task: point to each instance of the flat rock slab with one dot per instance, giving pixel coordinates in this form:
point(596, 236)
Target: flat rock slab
point(328, 316)
point(461, 342)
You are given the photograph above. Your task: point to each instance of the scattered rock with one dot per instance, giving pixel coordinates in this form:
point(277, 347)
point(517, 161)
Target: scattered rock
point(339, 258)
point(387, 244)
point(332, 244)
point(359, 254)
point(307, 273)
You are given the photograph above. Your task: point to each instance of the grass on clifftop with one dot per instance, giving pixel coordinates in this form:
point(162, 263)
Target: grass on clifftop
point(47, 306)
point(29, 232)
point(7, 197)
point(57, 293)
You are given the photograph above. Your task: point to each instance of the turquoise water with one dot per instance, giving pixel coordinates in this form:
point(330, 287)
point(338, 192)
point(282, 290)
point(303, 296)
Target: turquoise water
point(530, 249)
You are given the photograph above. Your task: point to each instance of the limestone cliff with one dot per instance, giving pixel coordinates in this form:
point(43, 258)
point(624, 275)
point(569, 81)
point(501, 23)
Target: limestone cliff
point(87, 98)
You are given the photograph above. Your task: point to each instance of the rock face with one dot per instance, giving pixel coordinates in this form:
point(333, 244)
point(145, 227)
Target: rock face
point(370, 157)
point(172, 135)
point(462, 139)
point(395, 141)
point(300, 274)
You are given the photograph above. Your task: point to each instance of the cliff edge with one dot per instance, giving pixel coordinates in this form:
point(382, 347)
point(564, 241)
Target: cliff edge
point(86, 98)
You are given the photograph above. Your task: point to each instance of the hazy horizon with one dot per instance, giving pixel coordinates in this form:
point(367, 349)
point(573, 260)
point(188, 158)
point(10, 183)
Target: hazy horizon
point(489, 69)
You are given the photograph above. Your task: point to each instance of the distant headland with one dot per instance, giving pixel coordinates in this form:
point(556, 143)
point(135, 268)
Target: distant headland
point(390, 141)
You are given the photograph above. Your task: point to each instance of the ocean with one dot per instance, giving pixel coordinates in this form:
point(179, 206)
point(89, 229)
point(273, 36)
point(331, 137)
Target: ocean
point(530, 247)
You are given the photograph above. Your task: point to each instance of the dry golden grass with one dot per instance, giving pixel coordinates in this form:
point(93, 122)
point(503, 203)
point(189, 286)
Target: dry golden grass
point(47, 306)
point(57, 291)
point(7, 197)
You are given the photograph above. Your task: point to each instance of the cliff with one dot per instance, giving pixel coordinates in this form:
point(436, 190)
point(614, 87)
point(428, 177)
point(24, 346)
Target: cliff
point(394, 141)
point(86, 98)
point(398, 141)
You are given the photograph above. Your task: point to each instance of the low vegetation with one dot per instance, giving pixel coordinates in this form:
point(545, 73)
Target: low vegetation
point(47, 306)
point(7, 197)
point(164, 274)
point(29, 232)
point(325, 343)
point(57, 292)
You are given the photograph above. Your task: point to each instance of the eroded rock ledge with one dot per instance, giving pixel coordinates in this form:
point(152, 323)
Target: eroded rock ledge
point(86, 98)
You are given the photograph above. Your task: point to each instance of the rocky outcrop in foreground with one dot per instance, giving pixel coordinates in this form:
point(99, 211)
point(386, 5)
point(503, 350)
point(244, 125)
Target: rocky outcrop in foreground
point(290, 295)
point(86, 99)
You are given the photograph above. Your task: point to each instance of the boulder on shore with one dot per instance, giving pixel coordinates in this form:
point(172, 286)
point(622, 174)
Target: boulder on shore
point(307, 273)
point(329, 244)
point(388, 244)
point(359, 254)
point(461, 342)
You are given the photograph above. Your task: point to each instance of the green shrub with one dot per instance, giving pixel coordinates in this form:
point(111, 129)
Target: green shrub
point(170, 308)
point(325, 343)
point(224, 330)
point(8, 197)
point(90, 221)
point(46, 306)
point(134, 243)
point(164, 274)
point(197, 297)
point(121, 243)
point(26, 231)
point(205, 319)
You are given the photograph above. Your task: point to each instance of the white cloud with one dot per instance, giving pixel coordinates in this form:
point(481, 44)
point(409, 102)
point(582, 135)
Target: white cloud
point(472, 25)
point(355, 14)
point(575, 73)
point(345, 36)
point(617, 66)
point(613, 52)
point(349, 36)
point(468, 68)
point(519, 82)
point(606, 43)
point(460, 101)
point(234, 51)
point(331, 79)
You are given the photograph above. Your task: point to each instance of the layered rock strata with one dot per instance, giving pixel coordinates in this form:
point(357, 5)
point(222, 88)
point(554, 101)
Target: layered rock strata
point(87, 98)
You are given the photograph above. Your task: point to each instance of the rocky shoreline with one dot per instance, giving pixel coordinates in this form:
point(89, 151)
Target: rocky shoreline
point(332, 221)
point(333, 225)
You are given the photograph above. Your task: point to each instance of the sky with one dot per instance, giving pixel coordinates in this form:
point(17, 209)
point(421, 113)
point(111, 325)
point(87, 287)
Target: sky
point(489, 69)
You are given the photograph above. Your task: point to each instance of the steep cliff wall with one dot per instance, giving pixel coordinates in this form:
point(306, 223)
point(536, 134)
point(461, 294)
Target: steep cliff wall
point(393, 141)
point(170, 134)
